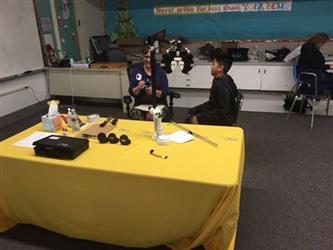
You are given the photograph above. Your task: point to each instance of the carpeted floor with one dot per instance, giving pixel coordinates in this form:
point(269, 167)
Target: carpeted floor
point(286, 200)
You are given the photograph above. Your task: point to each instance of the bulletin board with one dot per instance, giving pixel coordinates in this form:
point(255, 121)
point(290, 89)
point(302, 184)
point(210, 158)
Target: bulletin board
point(303, 19)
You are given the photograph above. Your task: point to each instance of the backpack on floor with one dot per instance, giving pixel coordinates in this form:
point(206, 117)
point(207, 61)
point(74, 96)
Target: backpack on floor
point(299, 107)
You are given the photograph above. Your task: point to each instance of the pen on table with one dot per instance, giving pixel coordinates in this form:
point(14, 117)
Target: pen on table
point(105, 122)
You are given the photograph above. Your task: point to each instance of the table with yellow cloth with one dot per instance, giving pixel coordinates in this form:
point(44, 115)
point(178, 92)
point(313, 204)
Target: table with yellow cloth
point(124, 195)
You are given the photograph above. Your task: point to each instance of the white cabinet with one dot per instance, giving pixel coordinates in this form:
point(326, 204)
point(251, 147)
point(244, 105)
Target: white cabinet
point(246, 76)
point(85, 83)
point(179, 80)
point(263, 77)
point(201, 77)
point(97, 84)
point(266, 77)
point(198, 78)
point(277, 78)
point(60, 82)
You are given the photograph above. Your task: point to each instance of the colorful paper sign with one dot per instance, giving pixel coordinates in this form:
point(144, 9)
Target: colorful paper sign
point(218, 8)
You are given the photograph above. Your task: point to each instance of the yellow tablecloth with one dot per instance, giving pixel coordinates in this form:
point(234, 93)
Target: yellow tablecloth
point(123, 195)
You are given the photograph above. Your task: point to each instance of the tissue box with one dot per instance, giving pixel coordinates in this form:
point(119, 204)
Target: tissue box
point(51, 123)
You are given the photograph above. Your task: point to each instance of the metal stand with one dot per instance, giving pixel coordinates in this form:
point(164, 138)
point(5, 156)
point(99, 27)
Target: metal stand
point(157, 118)
point(155, 110)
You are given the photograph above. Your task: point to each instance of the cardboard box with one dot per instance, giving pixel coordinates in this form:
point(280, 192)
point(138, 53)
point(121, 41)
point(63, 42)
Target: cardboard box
point(130, 41)
point(108, 65)
point(227, 45)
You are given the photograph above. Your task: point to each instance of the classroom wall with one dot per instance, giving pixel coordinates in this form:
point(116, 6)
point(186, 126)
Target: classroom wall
point(20, 49)
point(91, 22)
point(36, 92)
point(65, 25)
point(305, 18)
point(43, 9)
point(67, 29)
point(36, 83)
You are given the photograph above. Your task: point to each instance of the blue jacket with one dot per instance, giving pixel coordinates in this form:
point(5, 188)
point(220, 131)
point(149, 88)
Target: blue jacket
point(138, 74)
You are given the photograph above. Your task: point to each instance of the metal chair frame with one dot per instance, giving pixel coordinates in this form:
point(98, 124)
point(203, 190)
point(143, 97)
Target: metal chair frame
point(239, 102)
point(314, 97)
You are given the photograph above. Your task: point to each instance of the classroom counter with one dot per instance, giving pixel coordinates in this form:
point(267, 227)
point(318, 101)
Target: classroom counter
point(249, 63)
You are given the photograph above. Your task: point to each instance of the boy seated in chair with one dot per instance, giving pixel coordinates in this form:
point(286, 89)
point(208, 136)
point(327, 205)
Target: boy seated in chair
point(221, 108)
point(141, 85)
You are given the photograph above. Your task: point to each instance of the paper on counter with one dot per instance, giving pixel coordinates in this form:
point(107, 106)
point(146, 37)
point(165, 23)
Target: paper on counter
point(181, 136)
point(28, 141)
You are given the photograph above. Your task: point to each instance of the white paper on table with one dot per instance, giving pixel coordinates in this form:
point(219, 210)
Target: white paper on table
point(146, 107)
point(181, 136)
point(28, 141)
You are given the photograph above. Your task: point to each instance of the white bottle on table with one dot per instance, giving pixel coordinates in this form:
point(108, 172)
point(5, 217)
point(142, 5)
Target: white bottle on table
point(75, 121)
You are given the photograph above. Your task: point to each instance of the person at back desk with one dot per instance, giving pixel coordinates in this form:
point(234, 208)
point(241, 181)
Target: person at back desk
point(141, 84)
point(312, 60)
point(221, 107)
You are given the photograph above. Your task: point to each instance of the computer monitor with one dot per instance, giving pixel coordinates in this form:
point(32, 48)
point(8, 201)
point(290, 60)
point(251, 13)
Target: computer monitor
point(99, 47)
point(158, 36)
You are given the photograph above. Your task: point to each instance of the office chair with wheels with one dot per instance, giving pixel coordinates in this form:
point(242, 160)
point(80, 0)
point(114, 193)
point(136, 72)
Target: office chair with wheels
point(116, 55)
point(307, 88)
point(169, 97)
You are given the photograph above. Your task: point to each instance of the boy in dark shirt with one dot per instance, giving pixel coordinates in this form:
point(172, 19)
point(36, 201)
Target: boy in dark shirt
point(220, 109)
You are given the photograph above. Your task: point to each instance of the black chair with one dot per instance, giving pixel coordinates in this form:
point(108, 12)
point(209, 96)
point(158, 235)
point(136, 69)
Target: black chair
point(306, 88)
point(239, 102)
point(169, 97)
point(116, 55)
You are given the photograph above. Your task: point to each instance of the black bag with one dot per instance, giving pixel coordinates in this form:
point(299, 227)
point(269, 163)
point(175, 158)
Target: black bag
point(288, 100)
point(62, 147)
point(277, 55)
point(206, 51)
point(239, 54)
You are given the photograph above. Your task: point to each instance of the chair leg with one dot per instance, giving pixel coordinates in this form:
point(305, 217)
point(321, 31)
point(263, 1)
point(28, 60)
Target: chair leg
point(171, 103)
point(328, 104)
point(291, 108)
point(128, 111)
point(301, 106)
point(313, 108)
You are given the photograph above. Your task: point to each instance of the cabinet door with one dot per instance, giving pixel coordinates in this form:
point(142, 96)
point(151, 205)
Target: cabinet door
point(60, 82)
point(201, 77)
point(172, 80)
point(246, 76)
point(277, 78)
point(97, 84)
point(179, 80)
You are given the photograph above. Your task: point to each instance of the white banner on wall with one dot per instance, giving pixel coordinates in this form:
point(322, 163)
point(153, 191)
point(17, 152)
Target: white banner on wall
point(218, 8)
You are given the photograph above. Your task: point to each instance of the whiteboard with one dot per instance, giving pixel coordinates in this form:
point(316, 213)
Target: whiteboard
point(20, 48)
